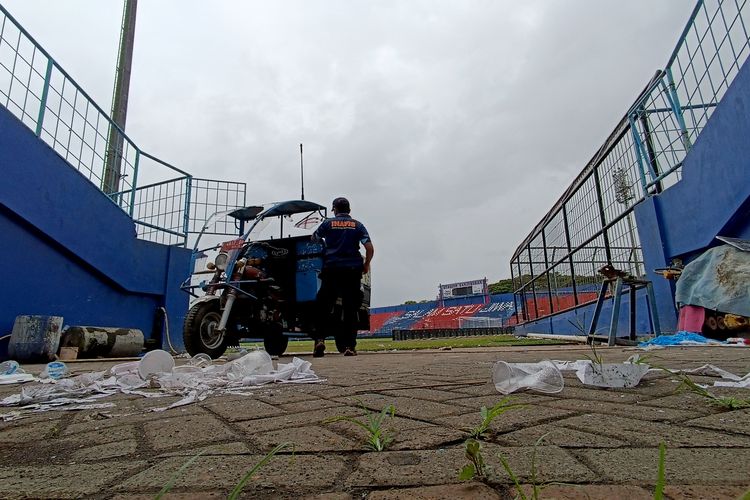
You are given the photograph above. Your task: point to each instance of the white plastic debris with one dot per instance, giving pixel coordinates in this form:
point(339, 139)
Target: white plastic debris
point(542, 377)
point(10, 367)
point(155, 376)
point(613, 375)
point(251, 364)
point(154, 362)
point(55, 370)
point(201, 360)
point(16, 378)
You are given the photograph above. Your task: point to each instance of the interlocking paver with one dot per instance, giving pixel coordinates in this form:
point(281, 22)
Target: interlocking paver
point(730, 421)
point(604, 441)
point(246, 408)
point(706, 466)
point(644, 433)
point(62, 481)
point(509, 421)
point(554, 435)
point(411, 468)
point(175, 432)
point(628, 410)
point(468, 491)
point(302, 473)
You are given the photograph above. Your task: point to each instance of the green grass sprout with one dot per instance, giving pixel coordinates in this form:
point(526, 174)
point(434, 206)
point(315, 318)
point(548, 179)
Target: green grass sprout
point(378, 438)
point(490, 414)
point(176, 475)
point(235, 493)
point(660, 476)
point(476, 466)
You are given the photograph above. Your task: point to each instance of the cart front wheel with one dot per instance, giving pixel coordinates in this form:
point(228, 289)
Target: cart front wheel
point(201, 330)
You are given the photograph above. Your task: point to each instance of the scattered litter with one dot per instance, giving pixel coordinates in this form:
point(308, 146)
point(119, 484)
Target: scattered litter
point(614, 375)
point(542, 377)
point(154, 362)
point(194, 381)
point(10, 367)
point(16, 378)
point(55, 370)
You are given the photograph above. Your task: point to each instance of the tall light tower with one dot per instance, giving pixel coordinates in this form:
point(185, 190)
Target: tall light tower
point(113, 160)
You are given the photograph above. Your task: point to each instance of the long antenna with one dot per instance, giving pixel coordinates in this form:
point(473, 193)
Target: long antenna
point(301, 171)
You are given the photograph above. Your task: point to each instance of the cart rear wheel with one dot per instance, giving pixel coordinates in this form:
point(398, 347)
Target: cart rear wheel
point(200, 330)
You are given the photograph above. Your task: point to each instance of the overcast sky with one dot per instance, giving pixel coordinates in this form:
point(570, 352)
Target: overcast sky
point(452, 126)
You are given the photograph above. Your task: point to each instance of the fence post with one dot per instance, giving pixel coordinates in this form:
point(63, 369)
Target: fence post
point(131, 209)
point(674, 100)
point(186, 214)
point(43, 100)
point(639, 154)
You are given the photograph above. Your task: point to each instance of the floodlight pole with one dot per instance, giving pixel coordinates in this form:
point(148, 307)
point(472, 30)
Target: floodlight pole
point(112, 167)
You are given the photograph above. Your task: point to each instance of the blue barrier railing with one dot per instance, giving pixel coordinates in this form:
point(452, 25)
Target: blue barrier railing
point(592, 224)
point(38, 91)
point(670, 115)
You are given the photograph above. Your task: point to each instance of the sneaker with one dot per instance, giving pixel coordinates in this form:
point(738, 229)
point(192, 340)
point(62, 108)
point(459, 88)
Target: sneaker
point(350, 352)
point(320, 349)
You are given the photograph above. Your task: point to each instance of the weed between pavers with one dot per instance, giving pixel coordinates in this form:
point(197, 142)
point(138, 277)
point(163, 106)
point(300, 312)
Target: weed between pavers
point(477, 468)
point(660, 473)
point(490, 414)
point(235, 493)
point(378, 439)
point(725, 402)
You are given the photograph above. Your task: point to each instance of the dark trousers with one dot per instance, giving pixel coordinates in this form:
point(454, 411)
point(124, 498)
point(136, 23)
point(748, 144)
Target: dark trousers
point(338, 302)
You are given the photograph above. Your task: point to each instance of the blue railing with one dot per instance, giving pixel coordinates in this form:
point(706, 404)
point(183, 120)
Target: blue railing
point(592, 224)
point(37, 90)
point(670, 115)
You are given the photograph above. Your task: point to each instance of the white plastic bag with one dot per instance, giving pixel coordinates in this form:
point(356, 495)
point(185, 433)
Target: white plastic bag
point(543, 376)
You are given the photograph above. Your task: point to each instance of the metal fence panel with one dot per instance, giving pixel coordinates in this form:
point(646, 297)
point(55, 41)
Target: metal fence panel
point(593, 224)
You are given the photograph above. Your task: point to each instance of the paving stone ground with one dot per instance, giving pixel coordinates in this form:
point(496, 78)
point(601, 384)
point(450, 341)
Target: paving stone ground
point(597, 443)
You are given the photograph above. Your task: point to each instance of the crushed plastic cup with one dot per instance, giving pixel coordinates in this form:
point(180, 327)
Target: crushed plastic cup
point(55, 370)
point(154, 362)
point(543, 376)
point(252, 363)
point(614, 375)
point(201, 360)
point(10, 367)
point(124, 368)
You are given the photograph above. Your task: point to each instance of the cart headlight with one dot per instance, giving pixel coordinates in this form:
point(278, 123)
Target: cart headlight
point(221, 261)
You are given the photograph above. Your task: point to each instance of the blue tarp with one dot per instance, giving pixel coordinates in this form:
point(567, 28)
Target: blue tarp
point(679, 338)
point(717, 280)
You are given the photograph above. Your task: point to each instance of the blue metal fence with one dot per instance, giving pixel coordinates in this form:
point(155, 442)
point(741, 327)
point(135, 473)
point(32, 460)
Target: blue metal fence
point(592, 224)
point(37, 90)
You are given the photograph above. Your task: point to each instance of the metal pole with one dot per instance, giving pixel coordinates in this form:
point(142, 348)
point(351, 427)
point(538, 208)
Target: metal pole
point(112, 168)
point(301, 171)
point(43, 100)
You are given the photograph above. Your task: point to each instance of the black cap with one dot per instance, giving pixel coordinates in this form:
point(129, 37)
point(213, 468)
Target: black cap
point(341, 205)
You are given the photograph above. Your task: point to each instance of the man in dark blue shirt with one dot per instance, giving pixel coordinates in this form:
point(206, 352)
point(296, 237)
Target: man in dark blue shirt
point(340, 278)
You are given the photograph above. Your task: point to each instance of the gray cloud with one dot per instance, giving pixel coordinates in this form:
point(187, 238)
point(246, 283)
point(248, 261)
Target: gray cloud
point(452, 125)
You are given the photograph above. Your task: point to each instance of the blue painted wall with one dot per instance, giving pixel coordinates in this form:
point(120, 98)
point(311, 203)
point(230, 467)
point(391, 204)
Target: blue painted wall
point(577, 321)
point(712, 199)
point(71, 252)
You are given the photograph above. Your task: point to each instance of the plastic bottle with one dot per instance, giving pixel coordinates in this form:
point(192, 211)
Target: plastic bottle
point(10, 367)
point(55, 370)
